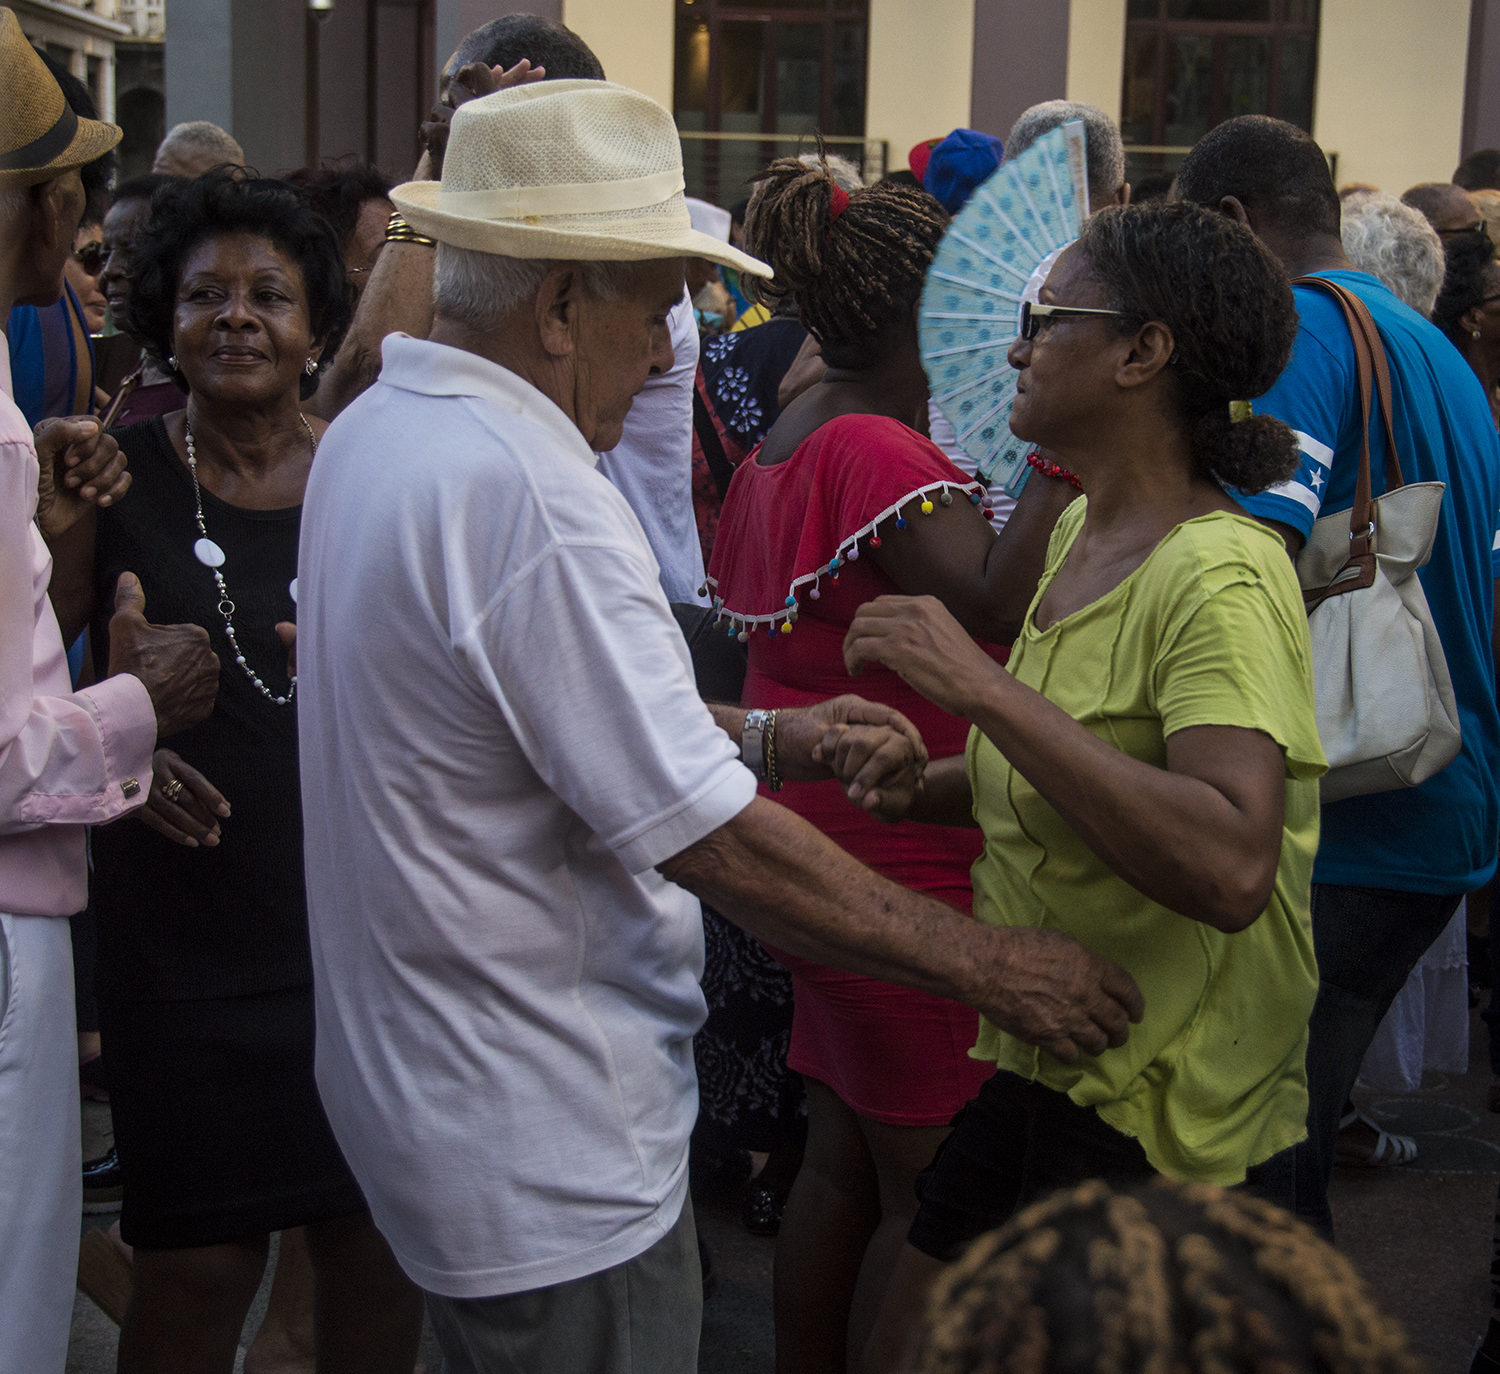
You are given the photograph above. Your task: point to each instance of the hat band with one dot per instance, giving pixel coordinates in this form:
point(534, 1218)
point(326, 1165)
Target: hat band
point(40, 151)
point(584, 198)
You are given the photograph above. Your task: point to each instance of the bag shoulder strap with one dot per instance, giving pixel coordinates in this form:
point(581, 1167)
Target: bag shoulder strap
point(1374, 373)
point(719, 466)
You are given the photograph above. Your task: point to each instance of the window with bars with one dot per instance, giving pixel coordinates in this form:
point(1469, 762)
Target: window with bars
point(1191, 64)
point(778, 69)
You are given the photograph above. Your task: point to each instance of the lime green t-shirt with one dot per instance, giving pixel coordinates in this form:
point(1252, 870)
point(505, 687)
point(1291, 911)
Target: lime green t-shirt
point(1209, 630)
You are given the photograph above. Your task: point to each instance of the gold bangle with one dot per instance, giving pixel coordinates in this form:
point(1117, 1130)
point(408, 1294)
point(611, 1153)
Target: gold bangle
point(397, 230)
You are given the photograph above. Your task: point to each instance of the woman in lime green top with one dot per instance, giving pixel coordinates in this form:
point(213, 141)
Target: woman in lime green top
point(1145, 769)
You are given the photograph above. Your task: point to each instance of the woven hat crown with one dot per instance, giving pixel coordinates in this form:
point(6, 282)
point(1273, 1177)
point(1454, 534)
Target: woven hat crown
point(568, 133)
point(40, 137)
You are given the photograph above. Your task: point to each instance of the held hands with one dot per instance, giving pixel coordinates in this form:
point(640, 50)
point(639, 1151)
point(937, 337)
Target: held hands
point(182, 804)
point(1051, 992)
point(79, 466)
point(874, 751)
point(174, 662)
point(919, 640)
point(470, 82)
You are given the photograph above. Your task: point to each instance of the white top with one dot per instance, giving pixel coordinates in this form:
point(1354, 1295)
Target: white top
point(500, 738)
point(941, 432)
point(652, 465)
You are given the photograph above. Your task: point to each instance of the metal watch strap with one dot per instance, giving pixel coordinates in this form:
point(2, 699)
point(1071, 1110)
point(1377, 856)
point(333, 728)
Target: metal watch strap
point(753, 741)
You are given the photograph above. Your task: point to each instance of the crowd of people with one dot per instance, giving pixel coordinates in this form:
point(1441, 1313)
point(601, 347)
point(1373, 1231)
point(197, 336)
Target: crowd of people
point(516, 698)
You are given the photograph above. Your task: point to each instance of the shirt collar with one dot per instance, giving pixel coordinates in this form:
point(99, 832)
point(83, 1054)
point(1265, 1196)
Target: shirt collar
point(435, 369)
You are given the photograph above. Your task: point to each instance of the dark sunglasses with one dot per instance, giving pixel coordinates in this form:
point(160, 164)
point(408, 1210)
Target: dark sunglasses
point(90, 257)
point(1033, 315)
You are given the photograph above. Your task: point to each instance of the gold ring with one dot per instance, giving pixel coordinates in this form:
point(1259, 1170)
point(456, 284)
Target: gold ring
point(172, 790)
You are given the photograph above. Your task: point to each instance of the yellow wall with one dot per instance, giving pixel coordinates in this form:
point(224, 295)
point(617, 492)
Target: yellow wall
point(1096, 53)
point(633, 38)
point(1390, 96)
point(921, 66)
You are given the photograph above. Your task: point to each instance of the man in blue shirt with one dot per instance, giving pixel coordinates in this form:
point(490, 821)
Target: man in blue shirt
point(1392, 866)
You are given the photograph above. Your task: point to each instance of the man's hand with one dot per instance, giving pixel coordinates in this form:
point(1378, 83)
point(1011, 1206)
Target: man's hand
point(871, 749)
point(182, 804)
point(174, 662)
point(79, 466)
point(918, 639)
point(470, 82)
point(1049, 991)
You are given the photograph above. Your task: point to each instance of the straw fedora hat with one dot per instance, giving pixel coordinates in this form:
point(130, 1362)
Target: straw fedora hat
point(40, 136)
point(577, 170)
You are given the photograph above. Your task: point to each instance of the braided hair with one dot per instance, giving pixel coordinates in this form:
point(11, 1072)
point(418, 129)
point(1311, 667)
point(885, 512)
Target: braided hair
point(1229, 306)
point(855, 274)
point(1169, 1279)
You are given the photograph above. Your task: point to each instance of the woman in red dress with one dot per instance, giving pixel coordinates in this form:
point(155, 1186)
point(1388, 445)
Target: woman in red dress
point(847, 500)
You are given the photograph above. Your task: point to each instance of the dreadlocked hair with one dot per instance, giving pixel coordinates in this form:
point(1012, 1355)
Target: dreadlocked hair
point(855, 278)
point(1168, 1279)
point(1229, 306)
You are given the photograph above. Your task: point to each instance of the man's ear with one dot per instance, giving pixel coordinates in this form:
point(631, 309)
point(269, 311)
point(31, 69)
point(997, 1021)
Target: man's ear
point(1231, 206)
point(557, 305)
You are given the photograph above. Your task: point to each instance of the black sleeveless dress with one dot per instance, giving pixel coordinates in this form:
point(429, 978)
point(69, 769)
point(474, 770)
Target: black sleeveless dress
point(205, 975)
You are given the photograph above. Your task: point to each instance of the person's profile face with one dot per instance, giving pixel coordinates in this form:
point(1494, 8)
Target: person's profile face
point(619, 344)
point(122, 226)
point(81, 271)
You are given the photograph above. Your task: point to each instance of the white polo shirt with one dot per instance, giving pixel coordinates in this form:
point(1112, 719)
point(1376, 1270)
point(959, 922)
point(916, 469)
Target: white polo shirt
point(500, 738)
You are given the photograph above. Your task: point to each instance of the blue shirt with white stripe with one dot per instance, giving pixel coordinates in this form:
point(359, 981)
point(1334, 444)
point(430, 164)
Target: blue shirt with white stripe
point(1441, 836)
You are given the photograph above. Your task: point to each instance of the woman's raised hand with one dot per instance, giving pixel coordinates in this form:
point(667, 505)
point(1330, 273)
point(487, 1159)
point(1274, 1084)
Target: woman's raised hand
point(919, 640)
point(182, 804)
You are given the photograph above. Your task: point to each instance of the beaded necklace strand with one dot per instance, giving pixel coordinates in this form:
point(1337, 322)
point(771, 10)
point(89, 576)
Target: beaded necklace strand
point(212, 557)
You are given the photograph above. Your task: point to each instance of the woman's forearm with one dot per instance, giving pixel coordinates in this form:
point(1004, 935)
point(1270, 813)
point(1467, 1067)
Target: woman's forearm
point(946, 797)
point(1176, 838)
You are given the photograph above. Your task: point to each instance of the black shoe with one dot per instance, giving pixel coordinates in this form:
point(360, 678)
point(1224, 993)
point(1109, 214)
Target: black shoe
point(103, 1184)
point(761, 1209)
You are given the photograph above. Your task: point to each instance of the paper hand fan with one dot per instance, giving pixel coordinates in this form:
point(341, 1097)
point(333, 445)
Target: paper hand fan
point(971, 304)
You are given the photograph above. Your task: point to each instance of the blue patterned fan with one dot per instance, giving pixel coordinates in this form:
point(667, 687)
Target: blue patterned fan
point(971, 304)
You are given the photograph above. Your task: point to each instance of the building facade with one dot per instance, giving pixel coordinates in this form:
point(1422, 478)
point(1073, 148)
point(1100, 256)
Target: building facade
point(1396, 91)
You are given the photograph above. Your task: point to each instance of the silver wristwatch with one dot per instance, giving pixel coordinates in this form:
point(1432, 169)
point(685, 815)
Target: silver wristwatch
point(753, 742)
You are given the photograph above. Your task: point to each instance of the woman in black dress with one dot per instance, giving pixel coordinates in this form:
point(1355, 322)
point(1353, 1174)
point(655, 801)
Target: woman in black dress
point(205, 975)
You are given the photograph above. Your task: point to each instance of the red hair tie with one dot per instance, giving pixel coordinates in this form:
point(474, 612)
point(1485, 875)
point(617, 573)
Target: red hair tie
point(837, 205)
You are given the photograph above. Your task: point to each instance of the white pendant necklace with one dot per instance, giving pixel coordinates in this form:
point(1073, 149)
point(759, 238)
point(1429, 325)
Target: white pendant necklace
point(211, 556)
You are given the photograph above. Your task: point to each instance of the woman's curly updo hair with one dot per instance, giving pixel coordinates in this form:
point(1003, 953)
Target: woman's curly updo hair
point(1185, 1278)
point(185, 213)
point(1229, 306)
point(855, 277)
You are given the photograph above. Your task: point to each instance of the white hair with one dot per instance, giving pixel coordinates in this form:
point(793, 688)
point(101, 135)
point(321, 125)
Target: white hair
point(1106, 151)
point(844, 173)
point(1393, 241)
point(480, 289)
point(194, 148)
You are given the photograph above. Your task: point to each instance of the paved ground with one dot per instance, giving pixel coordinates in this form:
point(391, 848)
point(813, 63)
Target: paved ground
point(1420, 1235)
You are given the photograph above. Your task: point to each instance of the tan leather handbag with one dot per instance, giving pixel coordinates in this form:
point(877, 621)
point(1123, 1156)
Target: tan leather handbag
point(1386, 711)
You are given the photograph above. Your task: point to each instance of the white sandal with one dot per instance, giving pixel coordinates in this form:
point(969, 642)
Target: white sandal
point(1390, 1150)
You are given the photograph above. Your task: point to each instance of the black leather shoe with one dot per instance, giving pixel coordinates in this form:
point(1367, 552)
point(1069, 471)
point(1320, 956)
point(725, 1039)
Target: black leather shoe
point(103, 1184)
point(761, 1209)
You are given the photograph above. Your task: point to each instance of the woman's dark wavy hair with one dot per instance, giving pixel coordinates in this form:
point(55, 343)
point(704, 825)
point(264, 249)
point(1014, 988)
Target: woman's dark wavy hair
point(1465, 266)
point(185, 213)
point(1229, 306)
point(856, 278)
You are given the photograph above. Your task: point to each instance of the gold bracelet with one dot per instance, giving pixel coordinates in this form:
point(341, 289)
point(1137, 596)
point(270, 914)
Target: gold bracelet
point(773, 775)
point(397, 230)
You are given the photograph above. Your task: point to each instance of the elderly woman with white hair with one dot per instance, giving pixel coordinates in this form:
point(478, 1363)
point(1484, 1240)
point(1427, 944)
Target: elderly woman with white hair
point(1393, 241)
point(514, 796)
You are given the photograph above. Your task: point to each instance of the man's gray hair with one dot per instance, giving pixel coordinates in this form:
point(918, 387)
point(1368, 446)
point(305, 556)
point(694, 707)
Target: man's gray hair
point(196, 147)
point(1393, 241)
point(844, 173)
point(480, 289)
point(1106, 152)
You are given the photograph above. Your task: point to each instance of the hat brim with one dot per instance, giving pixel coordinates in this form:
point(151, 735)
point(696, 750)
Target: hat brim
point(418, 203)
point(91, 141)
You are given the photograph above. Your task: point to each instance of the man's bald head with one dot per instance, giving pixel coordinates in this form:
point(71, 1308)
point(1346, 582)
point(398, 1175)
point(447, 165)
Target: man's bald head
point(196, 147)
point(1449, 209)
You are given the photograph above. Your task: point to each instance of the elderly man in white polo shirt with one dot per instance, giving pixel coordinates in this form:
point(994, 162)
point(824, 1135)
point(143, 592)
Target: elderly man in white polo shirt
point(513, 793)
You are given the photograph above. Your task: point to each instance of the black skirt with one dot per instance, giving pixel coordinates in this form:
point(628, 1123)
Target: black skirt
point(218, 1122)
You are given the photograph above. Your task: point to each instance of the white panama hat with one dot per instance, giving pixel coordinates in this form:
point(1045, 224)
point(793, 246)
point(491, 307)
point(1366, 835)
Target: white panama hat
point(576, 170)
